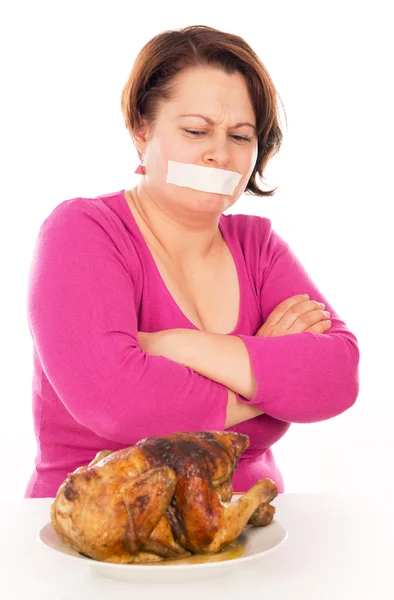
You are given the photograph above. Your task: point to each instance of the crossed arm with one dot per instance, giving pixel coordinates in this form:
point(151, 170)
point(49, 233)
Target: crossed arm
point(221, 358)
point(225, 358)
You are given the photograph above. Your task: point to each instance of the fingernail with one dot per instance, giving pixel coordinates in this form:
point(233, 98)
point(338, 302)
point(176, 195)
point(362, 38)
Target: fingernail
point(327, 313)
point(322, 305)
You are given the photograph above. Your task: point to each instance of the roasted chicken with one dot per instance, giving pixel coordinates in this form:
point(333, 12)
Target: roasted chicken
point(164, 498)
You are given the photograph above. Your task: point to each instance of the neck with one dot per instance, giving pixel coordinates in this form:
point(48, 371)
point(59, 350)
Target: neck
point(184, 238)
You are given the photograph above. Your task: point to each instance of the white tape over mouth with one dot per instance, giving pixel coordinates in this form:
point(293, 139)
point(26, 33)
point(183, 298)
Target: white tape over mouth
point(204, 179)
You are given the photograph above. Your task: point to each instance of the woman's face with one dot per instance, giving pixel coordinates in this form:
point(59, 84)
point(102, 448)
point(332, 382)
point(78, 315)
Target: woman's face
point(225, 100)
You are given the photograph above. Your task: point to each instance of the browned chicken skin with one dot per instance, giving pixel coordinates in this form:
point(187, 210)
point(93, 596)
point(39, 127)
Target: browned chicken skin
point(164, 498)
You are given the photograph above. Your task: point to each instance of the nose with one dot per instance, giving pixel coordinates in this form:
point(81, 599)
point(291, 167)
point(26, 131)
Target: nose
point(218, 155)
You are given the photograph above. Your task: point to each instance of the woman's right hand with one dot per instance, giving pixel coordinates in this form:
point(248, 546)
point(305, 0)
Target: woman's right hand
point(297, 314)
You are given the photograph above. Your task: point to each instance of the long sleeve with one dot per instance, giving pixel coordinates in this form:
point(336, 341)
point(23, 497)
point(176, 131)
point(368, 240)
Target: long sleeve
point(82, 315)
point(302, 377)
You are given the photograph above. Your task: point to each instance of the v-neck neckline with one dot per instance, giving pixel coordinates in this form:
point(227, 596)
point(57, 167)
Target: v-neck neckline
point(232, 249)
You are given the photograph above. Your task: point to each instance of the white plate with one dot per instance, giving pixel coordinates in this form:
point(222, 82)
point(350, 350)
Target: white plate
point(257, 542)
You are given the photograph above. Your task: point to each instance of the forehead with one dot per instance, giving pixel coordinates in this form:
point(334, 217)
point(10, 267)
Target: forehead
point(211, 92)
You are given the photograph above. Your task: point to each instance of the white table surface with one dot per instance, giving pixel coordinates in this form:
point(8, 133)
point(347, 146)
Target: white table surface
point(338, 547)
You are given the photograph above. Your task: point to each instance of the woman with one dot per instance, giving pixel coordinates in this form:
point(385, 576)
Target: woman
point(151, 311)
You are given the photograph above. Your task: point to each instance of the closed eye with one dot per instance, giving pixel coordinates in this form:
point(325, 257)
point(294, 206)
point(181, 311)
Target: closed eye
point(237, 137)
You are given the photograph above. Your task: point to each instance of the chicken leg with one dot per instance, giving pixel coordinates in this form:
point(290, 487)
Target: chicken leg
point(204, 523)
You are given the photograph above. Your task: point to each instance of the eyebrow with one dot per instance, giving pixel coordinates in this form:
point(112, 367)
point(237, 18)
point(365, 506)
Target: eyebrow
point(212, 122)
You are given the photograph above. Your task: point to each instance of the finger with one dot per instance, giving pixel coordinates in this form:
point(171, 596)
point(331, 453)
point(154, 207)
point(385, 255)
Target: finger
point(308, 319)
point(279, 311)
point(301, 310)
point(320, 327)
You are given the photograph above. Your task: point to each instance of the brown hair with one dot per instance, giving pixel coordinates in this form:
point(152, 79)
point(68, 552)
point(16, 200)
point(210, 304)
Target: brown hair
point(168, 53)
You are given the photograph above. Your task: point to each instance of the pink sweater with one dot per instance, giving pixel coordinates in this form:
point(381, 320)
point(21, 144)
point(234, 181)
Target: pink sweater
point(93, 284)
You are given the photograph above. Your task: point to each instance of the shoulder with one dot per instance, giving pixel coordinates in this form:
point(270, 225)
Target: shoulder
point(97, 224)
point(254, 233)
point(81, 209)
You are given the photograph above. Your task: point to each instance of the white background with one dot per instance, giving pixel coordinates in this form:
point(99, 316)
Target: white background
point(62, 135)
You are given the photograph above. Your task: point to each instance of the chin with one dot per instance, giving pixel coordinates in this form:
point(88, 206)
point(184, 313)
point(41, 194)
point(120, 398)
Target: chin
point(217, 204)
point(208, 202)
